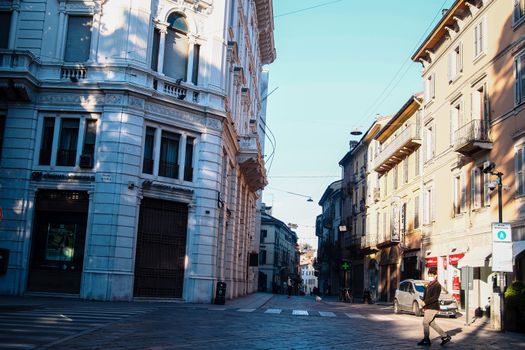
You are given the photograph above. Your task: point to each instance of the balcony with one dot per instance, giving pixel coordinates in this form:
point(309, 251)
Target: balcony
point(251, 162)
point(368, 243)
point(472, 137)
point(397, 149)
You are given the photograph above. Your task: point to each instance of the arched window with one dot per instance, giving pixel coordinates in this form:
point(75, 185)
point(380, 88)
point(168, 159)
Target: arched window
point(177, 44)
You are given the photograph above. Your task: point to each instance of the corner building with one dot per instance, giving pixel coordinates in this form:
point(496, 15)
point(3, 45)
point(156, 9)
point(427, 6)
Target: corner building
point(130, 158)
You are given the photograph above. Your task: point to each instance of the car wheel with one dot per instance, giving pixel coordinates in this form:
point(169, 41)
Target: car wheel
point(416, 309)
point(397, 310)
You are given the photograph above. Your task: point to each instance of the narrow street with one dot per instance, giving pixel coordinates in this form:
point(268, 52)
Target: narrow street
point(259, 321)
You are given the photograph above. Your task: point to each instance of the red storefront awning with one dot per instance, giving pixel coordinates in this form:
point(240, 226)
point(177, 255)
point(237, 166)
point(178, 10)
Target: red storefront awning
point(432, 261)
point(454, 258)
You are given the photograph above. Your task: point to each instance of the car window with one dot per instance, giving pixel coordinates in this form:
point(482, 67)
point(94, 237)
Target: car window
point(420, 287)
point(410, 289)
point(403, 286)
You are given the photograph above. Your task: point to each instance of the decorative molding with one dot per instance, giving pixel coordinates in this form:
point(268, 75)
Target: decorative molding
point(113, 99)
point(213, 123)
point(70, 99)
point(136, 102)
point(174, 113)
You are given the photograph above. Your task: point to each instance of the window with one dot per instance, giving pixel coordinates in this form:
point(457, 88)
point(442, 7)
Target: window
point(149, 144)
point(479, 104)
point(2, 132)
point(416, 212)
point(47, 141)
point(428, 208)
point(262, 257)
point(67, 145)
point(457, 195)
point(75, 144)
point(188, 165)
point(430, 149)
point(519, 84)
point(405, 170)
point(155, 50)
point(195, 68)
point(176, 47)
point(395, 177)
point(172, 156)
point(480, 40)
point(520, 161)
point(456, 120)
point(264, 234)
point(480, 195)
point(5, 26)
point(519, 10)
point(169, 155)
point(78, 40)
point(455, 62)
point(417, 161)
point(430, 87)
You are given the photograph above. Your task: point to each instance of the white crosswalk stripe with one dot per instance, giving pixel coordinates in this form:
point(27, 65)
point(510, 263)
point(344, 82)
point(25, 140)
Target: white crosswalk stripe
point(354, 315)
point(273, 311)
point(246, 310)
point(382, 318)
point(300, 313)
point(326, 314)
point(31, 328)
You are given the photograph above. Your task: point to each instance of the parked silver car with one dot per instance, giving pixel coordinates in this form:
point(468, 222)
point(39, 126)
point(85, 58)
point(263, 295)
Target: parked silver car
point(409, 294)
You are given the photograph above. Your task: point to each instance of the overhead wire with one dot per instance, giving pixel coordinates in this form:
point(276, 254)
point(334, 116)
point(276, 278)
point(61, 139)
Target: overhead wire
point(389, 87)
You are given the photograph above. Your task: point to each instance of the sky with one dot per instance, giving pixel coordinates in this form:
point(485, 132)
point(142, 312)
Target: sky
point(339, 64)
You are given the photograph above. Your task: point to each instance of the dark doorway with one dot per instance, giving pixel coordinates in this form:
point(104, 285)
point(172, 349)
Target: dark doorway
point(58, 238)
point(161, 249)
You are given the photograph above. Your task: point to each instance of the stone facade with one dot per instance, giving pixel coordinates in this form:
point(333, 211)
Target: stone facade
point(150, 110)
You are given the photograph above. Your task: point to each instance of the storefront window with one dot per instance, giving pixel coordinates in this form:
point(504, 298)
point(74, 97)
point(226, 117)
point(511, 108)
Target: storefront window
point(60, 242)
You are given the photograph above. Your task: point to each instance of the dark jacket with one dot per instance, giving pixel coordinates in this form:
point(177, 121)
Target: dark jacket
point(431, 295)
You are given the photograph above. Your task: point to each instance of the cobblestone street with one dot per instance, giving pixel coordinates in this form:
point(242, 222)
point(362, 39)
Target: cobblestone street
point(259, 321)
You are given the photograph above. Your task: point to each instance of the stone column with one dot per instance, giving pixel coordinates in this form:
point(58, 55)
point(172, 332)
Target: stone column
point(163, 28)
point(61, 29)
point(14, 23)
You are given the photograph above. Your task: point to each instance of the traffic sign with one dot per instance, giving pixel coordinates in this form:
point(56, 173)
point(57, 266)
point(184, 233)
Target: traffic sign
point(502, 247)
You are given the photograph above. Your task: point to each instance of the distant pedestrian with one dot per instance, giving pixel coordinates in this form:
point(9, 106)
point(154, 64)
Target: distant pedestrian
point(289, 283)
point(431, 309)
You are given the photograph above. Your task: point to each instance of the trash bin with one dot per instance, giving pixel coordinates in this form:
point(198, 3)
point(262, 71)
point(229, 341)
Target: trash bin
point(4, 260)
point(220, 293)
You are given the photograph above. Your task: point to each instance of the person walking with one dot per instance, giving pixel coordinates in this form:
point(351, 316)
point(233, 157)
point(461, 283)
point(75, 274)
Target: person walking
point(289, 283)
point(431, 309)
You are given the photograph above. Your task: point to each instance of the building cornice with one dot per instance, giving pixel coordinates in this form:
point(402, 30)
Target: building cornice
point(265, 23)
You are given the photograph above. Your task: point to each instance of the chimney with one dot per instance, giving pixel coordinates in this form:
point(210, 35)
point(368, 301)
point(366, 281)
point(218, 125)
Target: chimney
point(353, 143)
point(444, 12)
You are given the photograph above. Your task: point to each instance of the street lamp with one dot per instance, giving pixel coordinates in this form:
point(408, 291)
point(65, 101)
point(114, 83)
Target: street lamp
point(490, 169)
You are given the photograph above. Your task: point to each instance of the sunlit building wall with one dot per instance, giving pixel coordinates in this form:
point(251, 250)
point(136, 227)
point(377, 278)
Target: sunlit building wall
point(131, 161)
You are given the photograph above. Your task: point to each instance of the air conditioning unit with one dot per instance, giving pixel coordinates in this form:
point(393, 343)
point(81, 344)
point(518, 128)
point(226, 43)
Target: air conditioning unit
point(86, 161)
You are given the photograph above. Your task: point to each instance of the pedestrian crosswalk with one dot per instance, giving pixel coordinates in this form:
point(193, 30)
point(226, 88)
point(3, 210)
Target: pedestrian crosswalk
point(301, 312)
point(46, 326)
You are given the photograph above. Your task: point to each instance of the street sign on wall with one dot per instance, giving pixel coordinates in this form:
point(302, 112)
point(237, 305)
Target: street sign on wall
point(501, 247)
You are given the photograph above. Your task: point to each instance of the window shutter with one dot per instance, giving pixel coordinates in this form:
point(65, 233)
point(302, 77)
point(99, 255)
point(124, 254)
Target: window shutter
point(460, 58)
point(476, 41)
point(486, 105)
point(433, 86)
point(473, 188)
point(516, 10)
point(463, 194)
point(452, 127)
point(519, 171)
point(450, 65)
point(461, 116)
point(486, 191)
point(476, 104)
point(517, 82)
point(484, 34)
point(434, 141)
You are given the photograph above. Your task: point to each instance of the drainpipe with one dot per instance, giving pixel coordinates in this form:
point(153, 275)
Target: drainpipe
point(422, 182)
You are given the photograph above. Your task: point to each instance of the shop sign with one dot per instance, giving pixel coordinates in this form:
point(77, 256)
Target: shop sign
point(454, 258)
point(432, 261)
point(445, 262)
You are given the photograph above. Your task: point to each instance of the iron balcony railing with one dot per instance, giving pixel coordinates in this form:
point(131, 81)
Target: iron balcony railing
point(474, 131)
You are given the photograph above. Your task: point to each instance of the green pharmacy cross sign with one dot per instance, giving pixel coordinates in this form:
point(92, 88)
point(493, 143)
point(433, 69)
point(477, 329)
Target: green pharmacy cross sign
point(345, 266)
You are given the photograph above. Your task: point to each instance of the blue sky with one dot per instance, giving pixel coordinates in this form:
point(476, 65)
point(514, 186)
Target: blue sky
point(333, 63)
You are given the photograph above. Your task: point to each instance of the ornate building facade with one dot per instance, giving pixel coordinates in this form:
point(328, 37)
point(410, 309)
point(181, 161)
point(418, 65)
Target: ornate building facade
point(131, 158)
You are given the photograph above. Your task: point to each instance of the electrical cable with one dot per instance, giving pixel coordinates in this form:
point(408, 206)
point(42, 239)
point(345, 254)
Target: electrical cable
point(380, 99)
